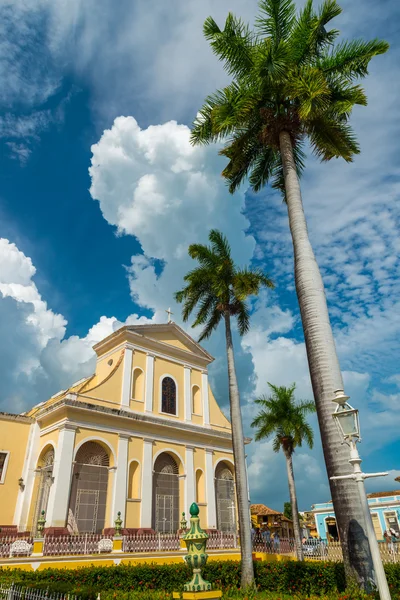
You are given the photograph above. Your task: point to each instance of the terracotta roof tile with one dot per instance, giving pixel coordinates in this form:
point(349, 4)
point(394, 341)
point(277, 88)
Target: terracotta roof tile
point(261, 509)
point(384, 494)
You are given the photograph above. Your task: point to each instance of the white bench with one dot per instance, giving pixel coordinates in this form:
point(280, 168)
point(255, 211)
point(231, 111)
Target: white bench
point(105, 545)
point(20, 547)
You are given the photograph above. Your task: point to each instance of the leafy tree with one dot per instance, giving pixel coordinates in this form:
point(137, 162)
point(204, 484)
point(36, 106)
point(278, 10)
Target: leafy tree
point(287, 510)
point(292, 85)
point(218, 290)
point(285, 422)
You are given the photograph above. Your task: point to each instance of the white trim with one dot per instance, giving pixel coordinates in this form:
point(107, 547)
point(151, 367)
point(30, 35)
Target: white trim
point(190, 480)
point(120, 480)
point(57, 507)
point(149, 389)
point(176, 414)
point(146, 506)
point(156, 354)
point(4, 471)
point(191, 399)
point(171, 451)
point(379, 521)
point(227, 459)
point(126, 377)
point(205, 398)
point(142, 435)
point(25, 496)
point(40, 451)
point(187, 373)
point(143, 384)
point(95, 438)
point(24, 475)
point(210, 491)
point(395, 515)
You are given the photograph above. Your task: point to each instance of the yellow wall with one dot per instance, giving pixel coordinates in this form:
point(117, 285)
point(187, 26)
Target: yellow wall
point(162, 368)
point(167, 338)
point(13, 439)
point(46, 439)
point(103, 368)
point(217, 417)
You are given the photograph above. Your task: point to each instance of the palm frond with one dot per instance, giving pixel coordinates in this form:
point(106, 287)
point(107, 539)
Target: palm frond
point(243, 318)
point(351, 58)
point(331, 138)
point(233, 45)
point(263, 168)
point(276, 19)
point(211, 325)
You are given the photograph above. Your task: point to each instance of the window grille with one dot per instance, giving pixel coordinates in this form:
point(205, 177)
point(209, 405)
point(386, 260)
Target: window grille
point(44, 476)
point(88, 499)
point(225, 498)
point(168, 396)
point(166, 494)
point(3, 456)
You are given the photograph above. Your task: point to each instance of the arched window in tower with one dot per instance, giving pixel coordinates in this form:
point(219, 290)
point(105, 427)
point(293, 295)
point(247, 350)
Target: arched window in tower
point(225, 497)
point(168, 396)
point(196, 400)
point(138, 385)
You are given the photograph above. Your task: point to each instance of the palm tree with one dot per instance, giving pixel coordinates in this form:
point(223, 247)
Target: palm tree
point(218, 289)
point(285, 419)
point(291, 85)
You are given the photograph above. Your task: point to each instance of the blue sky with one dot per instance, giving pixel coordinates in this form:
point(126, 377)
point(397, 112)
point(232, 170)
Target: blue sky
point(101, 193)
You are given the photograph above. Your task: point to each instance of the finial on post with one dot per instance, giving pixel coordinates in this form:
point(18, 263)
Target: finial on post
point(40, 524)
point(196, 558)
point(118, 525)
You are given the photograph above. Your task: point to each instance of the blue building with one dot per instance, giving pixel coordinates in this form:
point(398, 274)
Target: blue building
point(385, 512)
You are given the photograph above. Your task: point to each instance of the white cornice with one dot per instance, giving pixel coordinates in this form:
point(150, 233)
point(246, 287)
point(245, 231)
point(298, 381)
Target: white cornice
point(135, 434)
point(131, 338)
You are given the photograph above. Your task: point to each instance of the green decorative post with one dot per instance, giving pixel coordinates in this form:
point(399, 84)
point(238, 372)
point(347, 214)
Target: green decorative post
point(183, 523)
point(118, 526)
point(196, 542)
point(40, 524)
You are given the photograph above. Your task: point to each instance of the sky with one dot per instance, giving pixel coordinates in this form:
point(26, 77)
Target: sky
point(101, 193)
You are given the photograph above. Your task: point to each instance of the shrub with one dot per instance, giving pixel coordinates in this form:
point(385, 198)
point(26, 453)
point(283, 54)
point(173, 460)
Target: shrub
point(294, 578)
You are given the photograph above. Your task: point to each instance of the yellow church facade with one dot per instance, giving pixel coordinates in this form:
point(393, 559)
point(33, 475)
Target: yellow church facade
point(143, 436)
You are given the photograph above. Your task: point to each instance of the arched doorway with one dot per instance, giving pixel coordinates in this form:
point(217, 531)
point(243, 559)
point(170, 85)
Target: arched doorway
point(44, 474)
point(225, 498)
point(166, 494)
point(87, 506)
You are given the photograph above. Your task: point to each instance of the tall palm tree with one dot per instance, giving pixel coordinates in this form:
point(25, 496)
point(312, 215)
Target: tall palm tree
point(291, 85)
point(218, 290)
point(285, 420)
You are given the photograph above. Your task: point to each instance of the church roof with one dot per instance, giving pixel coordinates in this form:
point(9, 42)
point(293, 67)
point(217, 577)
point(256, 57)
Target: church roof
point(147, 329)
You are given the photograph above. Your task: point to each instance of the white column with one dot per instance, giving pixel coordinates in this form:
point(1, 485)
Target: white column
point(120, 479)
point(147, 485)
point(148, 406)
point(28, 475)
point(204, 392)
point(190, 482)
point(210, 491)
point(127, 378)
point(187, 394)
point(57, 508)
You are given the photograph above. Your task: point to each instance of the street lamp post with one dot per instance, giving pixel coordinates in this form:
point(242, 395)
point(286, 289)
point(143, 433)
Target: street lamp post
point(348, 424)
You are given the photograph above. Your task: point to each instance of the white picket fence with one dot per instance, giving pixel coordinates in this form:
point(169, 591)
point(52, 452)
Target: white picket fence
point(62, 545)
point(322, 550)
point(221, 540)
point(14, 592)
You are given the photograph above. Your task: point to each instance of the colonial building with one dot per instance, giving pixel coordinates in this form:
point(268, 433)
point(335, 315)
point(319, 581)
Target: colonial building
point(143, 435)
point(384, 508)
point(264, 517)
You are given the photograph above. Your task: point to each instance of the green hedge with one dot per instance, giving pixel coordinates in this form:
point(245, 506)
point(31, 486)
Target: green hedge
point(285, 577)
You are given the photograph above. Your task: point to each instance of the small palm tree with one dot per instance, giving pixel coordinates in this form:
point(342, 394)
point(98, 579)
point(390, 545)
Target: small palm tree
point(285, 419)
point(292, 85)
point(218, 290)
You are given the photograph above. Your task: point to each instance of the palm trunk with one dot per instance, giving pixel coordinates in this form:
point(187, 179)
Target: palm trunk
point(247, 574)
point(326, 378)
point(295, 510)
